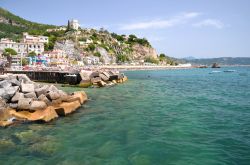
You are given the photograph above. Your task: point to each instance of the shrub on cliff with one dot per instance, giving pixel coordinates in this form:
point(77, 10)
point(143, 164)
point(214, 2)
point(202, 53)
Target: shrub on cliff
point(152, 60)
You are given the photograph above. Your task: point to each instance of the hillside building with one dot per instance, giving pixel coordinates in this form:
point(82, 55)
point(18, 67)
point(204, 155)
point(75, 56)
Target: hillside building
point(74, 24)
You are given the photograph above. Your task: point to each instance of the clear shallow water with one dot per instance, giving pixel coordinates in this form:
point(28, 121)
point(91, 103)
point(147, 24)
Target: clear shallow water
point(174, 117)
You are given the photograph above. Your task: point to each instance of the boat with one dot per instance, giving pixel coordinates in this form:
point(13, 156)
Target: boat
point(215, 65)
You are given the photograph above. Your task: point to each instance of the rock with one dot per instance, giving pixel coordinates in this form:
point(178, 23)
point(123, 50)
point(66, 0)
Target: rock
point(30, 95)
point(113, 77)
point(53, 95)
point(106, 74)
point(101, 83)
point(103, 77)
point(23, 78)
point(42, 91)
point(13, 105)
point(52, 88)
point(46, 115)
point(96, 80)
point(27, 88)
point(28, 136)
point(24, 103)
point(94, 74)
point(15, 82)
point(3, 77)
point(2, 104)
point(67, 108)
point(17, 97)
point(82, 96)
point(43, 98)
point(85, 75)
point(2, 92)
point(63, 95)
point(85, 83)
point(38, 105)
point(56, 102)
point(5, 84)
point(10, 92)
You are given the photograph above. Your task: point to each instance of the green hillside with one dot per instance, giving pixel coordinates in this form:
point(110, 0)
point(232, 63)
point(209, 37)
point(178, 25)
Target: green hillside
point(13, 26)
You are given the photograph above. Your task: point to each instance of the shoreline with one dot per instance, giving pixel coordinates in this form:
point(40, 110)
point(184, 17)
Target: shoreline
point(138, 67)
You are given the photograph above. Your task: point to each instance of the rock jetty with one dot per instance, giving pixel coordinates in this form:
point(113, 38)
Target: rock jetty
point(101, 78)
point(22, 100)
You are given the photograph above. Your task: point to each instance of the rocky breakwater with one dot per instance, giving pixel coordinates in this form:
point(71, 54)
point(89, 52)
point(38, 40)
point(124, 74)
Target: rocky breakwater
point(101, 78)
point(22, 100)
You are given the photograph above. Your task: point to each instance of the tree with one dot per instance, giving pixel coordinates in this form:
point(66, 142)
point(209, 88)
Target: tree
point(162, 55)
point(24, 61)
point(122, 58)
point(97, 54)
point(68, 26)
point(9, 52)
point(152, 60)
point(32, 54)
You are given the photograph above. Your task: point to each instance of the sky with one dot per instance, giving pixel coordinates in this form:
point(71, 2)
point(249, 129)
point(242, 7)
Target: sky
point(178, 28)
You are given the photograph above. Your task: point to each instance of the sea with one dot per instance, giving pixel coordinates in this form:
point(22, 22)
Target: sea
point(158, 117)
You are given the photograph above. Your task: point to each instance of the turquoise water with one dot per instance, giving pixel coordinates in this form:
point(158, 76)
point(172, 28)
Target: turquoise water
point(175, 117)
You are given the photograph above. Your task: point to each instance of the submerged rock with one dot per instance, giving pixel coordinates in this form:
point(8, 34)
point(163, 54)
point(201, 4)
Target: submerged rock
point(6, 145)
point(44, 148)
point(28, 136)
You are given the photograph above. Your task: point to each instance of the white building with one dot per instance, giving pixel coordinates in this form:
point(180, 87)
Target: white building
point(35, 39)
point(91, 60)
point(74, 24)
point(29, 43)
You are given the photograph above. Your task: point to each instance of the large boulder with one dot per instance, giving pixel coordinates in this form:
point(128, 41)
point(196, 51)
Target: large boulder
point(43, 98)
point(17, 97)
point(53, 95)
point(96, 80)
point(85, 83)
point(106, 74)
point(9, 92)
point(24, 104)
point(94, 74)
point(43, 115)
point(101, 83)
point(30, 95)
point(42, 91)
point(27, 88)
point(5, 84)
point(67, 108)
point(2, 92)
point(85, 75)
point(52, 88)
point(23, 78)
point(2, 104)
point(38, 105)
point(15, 82)
point(104, 77)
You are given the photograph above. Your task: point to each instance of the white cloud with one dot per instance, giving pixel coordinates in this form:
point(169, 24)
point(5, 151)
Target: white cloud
point(210, 22)
point(158, 24)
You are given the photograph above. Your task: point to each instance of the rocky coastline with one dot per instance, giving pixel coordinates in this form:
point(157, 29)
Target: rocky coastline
point(22, 100)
